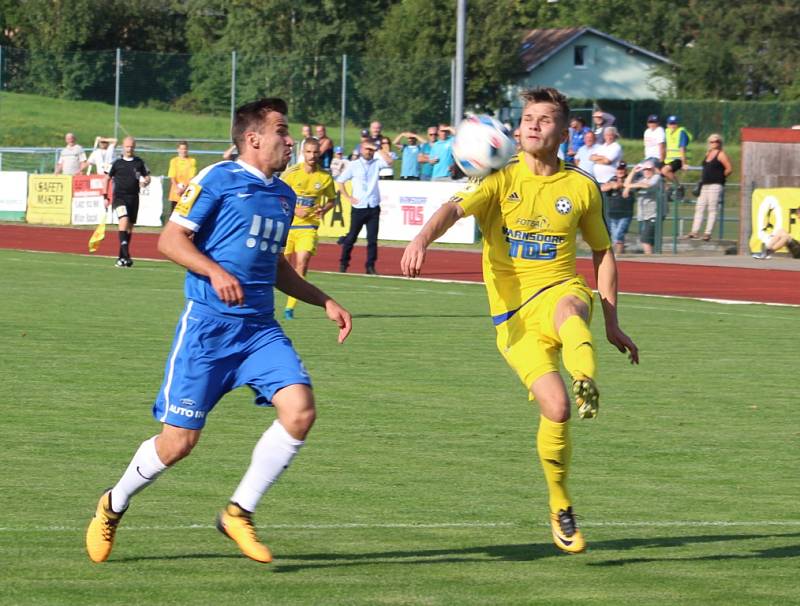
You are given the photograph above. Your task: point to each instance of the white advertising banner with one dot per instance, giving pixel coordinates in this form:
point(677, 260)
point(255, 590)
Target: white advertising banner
point(13, 191)
point(151, 205)
point(407, 205)
point(88, 210)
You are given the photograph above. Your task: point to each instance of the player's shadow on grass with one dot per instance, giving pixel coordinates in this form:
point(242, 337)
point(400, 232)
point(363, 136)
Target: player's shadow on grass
point(523, 552)
point(788, 551)
point(535, 551)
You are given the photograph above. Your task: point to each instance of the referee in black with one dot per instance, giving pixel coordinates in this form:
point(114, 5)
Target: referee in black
point(128, 173)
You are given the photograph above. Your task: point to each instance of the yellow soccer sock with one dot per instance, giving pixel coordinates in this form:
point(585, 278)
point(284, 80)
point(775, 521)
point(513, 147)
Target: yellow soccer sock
point(291, 302)
point(577, 350)
point(555, 450)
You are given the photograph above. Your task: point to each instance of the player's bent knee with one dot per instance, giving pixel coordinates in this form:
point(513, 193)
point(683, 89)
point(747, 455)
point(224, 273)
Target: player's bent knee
point(175, 443)
point(296, 410)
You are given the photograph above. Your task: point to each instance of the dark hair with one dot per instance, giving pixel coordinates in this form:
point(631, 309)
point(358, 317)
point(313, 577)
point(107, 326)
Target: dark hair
point(250, 115)
point(183, 143)
point(578, 119)
point(546, 94)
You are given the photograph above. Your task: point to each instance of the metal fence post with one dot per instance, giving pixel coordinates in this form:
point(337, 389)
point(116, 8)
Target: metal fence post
point(452, 91)
point(659, 227)
point(344, 102)
point(1, 67)
point(233, 85)
point(116, 94)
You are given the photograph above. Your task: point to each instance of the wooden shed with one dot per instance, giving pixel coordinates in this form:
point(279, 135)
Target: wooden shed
point(770, 159)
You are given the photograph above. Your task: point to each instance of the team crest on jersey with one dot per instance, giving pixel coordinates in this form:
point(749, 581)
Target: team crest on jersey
point(563, 206)
point(285, 206)
point(317, 185)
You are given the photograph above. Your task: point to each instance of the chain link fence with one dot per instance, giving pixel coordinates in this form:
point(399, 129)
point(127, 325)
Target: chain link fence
point(335, 90)
point(701, 118)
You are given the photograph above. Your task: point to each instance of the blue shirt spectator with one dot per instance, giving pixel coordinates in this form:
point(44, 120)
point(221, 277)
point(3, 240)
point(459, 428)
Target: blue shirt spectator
point(441, 155)
point(426, 168)
point(577, 129)
point(409, 156)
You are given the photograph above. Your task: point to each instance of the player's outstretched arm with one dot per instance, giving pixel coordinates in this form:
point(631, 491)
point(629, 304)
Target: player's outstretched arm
point(176, 244)
point(442, 220)
point(605, 269)
point(291, 283)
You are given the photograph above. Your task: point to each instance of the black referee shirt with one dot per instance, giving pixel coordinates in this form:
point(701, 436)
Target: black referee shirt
point(126, 175)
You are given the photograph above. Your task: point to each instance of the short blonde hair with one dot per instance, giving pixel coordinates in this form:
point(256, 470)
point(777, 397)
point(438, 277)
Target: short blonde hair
point(715, 137)
point(544, 94)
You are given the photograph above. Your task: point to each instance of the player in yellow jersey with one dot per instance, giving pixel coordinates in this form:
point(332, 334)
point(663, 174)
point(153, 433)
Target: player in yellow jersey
point(529, 213)
point(316, 195)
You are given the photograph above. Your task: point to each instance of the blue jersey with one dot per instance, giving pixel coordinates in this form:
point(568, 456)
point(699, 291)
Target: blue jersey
point(241, 220)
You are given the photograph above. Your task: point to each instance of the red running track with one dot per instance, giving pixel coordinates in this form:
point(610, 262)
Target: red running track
point(659, 278)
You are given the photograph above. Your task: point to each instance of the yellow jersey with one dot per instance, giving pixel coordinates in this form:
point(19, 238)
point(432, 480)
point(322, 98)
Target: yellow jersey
point(312, 189)
point(182, 170)
point(529, 225)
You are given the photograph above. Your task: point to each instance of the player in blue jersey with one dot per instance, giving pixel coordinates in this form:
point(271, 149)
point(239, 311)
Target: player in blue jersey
point(229, 230)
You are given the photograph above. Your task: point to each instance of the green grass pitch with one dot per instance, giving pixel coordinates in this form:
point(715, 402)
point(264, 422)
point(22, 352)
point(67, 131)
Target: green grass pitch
point(420, 482)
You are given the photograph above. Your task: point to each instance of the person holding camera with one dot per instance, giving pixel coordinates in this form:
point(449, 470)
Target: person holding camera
point(619, 208)
point(647, 183)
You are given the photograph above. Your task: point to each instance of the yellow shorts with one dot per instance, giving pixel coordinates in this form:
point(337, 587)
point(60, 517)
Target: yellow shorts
point(302, 239)
point(528, 340)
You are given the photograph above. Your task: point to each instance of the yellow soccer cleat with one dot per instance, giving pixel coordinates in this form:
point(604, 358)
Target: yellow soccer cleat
point(587, 397)
point(102, 529)
point(566, 535)
point(237, 524)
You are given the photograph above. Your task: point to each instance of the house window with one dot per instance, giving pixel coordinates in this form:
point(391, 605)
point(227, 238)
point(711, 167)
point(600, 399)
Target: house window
point(579, 59)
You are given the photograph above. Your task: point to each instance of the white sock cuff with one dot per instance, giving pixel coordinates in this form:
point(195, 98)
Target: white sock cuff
point(278, 433)
point(152, 459)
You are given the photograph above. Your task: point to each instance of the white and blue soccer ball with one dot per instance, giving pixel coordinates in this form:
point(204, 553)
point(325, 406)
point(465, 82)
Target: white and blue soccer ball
point(482, 144)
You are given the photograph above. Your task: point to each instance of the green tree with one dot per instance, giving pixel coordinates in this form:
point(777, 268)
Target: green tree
point(408, 79)
point(288, 48)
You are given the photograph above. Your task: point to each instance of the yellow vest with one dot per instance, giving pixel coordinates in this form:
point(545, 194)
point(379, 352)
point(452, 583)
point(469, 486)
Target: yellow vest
point(673, 144)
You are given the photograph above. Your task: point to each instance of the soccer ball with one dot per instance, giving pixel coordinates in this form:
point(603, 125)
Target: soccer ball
point(482, 145)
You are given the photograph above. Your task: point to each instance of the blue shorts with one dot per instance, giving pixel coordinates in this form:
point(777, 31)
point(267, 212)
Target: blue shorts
point(212, 355)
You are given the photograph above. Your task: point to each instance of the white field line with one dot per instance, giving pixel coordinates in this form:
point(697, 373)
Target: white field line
point(633, 294)
point(440, 525)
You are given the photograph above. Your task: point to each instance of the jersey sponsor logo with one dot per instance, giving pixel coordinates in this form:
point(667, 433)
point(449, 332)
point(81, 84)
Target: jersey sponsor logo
point(563, 206)
point(271, 237)
point(188, 198)
point(531, 246)
point(538, 222)
point(186, 412)
point(188, 402)
point(305, 201)
point(513, 197)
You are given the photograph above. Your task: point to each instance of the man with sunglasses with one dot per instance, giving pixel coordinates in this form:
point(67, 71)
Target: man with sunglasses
point(426, 168)
point(365, 203)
